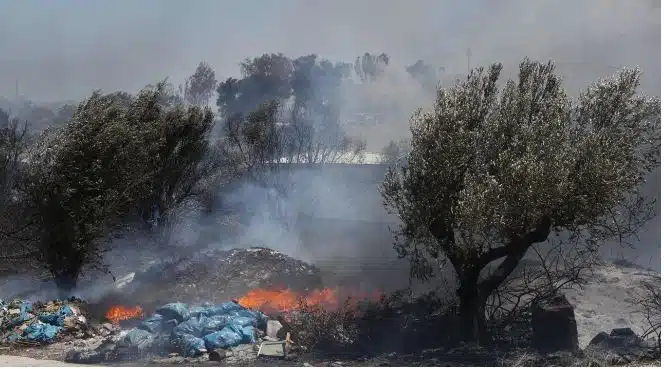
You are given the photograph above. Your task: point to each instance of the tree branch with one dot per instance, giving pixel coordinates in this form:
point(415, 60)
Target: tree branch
point(515, 250)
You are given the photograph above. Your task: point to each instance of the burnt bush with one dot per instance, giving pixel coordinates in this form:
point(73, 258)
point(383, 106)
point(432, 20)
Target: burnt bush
point(395, 323)
point(314, 328)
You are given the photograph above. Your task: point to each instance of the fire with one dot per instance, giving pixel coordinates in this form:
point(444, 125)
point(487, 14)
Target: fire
point(286, 300)
point(117, 313)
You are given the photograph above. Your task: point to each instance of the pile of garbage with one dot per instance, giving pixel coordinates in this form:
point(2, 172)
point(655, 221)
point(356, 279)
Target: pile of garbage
point(192, 331)
point(22, 321)
point(213, 275)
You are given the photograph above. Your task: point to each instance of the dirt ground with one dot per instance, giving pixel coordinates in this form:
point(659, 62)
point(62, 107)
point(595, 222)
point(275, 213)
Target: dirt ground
point(11, 360)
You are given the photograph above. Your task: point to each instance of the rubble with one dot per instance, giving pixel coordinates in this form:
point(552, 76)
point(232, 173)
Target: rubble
point(213, 275)
point(22, 321)
point(621, 345)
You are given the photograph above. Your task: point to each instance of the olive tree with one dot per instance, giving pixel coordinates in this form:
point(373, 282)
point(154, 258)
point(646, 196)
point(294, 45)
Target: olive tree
point(113, 159)
point(496, 169)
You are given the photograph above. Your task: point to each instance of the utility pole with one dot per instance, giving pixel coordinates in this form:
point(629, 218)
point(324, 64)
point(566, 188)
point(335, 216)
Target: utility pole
point(16, 89)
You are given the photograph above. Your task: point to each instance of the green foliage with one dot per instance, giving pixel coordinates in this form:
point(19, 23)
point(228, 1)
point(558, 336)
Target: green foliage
point(300, 101)
point(116, 154)
point(200, 87)
point(493, 171)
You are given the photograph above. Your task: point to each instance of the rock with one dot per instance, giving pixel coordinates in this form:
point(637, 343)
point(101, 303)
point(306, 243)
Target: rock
point(306, 364)
point(217, 354)
point(622, 332)
point(273, 327)
point(554, 325)
point(599, 339)
point(622, 342)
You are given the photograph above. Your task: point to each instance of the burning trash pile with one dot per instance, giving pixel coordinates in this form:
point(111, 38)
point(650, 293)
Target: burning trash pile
point(213, 275)
point(22, 321)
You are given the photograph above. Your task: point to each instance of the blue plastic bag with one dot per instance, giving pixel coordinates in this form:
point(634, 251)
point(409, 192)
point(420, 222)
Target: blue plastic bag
point(175, 310)
point(243, 321)
point(139, 339)
point(224, 308)
point(53, 319)
point(192, 326)
point(168, 325)
point(225, 338)
point(65, 311)
point(257, 317)
point(213, 324)
point(23, 317)
point(41, 332)
point(26, 307)
point(152, 324)
point(57, 318)
point(191, 346)
point(248, 334)
point(197, 311)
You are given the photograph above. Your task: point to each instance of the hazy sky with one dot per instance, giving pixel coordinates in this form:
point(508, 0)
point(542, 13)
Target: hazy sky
point(66, 48)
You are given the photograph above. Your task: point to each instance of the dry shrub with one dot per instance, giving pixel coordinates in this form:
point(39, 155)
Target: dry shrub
point(649, 304)
point(554, 270)
point(315, 328)
point(395, 323)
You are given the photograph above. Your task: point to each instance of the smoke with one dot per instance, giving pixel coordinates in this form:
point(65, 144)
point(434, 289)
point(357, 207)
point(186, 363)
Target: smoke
point(333, 216)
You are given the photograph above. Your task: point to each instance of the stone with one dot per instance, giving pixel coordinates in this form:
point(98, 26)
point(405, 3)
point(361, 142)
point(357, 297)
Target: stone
point(622, 332)
point(217, 354)
point(273, 328)
point(622, 342)
point(554, 325)
point(600, 338)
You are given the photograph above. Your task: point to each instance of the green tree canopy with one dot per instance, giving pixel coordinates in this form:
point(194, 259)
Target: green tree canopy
point(493, 171)
point(116, 156)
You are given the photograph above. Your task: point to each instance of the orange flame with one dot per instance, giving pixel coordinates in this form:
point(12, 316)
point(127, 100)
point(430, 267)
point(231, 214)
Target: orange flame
point(117, 313)
point(286, 300)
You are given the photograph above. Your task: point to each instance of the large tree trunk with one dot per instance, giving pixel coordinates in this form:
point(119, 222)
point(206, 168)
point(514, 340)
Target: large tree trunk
point(65, 282)
point(472, 318)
